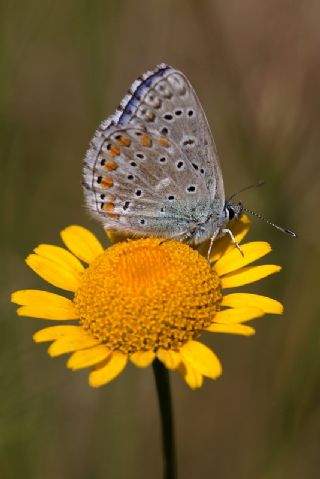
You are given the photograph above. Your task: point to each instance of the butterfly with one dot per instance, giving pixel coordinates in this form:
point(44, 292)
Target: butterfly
point(152, 168)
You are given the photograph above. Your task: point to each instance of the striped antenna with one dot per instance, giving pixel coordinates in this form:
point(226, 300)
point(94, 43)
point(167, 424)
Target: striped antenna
point(284, 230)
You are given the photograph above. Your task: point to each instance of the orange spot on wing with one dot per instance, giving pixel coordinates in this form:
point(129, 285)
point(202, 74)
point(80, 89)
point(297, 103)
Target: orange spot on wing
point(107, 182)
point(145, 140)
point(114, 151)
point(164, 142)
point(108, 206)
point(111, 165)
point(124, 141)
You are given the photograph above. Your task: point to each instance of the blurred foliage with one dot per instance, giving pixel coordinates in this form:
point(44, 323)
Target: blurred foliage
point(64, 66)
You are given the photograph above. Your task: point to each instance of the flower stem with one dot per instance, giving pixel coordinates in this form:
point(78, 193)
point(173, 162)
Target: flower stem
point(161, 376)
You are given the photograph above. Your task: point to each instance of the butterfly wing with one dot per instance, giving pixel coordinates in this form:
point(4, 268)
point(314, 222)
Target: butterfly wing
point(152, 167)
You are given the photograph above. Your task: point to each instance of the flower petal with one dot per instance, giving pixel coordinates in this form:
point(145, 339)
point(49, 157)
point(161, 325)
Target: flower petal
point(193, 378)
point(45, 305)
point(240, 300)
point(248, 275)
point(234, 260)
point(54, 332)
point(53, 272)
point(224, 244)
point(60, 256)
point(80, 339)
point(142, 359)
point(81, 242)
point(201, 358)
point(242, 329)
point(108, 369)
point(238, 315)
point(171, 359)
point(88, 357)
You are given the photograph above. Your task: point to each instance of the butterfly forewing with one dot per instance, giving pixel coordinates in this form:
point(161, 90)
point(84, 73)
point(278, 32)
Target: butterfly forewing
point(152, 168)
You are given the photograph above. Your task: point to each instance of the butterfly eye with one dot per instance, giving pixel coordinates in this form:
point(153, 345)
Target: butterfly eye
point(190, 113)
point(231, 213)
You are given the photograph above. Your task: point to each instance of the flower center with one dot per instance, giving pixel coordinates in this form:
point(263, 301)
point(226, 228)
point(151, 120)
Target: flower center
point(143, 268)
point(146, 294)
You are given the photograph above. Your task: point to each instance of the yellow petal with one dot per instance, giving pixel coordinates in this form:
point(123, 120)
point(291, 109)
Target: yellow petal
point(54, 273)
point(45, 305)
point(193, 378)
point(171, 359)
point(60, 256)
point(108, 370)
point(234, 260)
point(201, 358)
point(248, 275)
point(224, 244)
point(81, 242)
point(80, 339)
point(54, 332)
point(88, 357)
point(240, 300)
point(142, 359)
point(242, 329)
point(238, 315)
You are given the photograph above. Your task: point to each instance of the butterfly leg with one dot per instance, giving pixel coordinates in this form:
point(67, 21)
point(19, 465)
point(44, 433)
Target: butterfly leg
point(234, 241)
point(213, 237)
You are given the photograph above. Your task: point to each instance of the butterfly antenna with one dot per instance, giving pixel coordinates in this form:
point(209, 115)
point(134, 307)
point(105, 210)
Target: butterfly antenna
point(254, 185)
point(284, 230)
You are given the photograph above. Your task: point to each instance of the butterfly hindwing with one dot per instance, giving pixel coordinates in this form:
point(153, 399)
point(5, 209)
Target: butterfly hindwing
point(136, 179)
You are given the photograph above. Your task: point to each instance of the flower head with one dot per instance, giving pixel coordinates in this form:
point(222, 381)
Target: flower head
point(144, 299)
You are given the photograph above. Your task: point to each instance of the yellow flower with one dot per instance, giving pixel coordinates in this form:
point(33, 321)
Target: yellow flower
point(144, 299)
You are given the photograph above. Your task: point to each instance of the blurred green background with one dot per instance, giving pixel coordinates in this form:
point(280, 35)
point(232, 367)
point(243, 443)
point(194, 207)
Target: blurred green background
point(255, 66)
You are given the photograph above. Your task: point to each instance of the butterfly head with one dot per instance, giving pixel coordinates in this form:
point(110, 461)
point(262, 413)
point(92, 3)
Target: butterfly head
point(233, 211)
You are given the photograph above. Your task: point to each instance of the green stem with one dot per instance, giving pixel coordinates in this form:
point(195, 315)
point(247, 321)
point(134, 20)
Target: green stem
point(161, 376)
